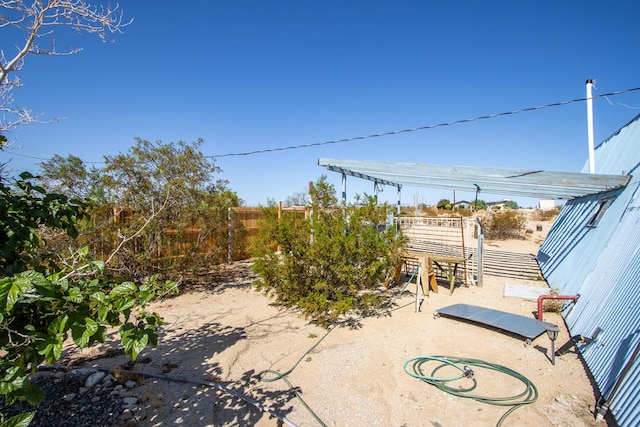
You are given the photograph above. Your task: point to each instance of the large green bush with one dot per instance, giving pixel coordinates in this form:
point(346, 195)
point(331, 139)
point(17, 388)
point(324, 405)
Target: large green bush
point(47, 296)
point(329, 263)
point(176, 184)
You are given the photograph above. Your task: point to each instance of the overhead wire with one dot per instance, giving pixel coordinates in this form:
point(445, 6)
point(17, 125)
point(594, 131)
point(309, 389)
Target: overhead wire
point(383, 134)
point(433, 126)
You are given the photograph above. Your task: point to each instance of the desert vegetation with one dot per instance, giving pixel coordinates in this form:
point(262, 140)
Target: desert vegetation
point(330, 262)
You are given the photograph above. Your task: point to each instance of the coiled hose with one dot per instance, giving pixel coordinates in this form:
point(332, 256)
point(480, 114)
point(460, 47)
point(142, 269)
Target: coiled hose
point(414, 367)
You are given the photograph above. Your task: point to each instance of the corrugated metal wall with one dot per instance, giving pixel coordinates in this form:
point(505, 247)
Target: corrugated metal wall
point(602, 264)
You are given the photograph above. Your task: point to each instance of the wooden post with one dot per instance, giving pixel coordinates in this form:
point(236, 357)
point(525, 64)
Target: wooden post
point(464, 255)
point(279, 217)
point(230, 236)
point(418, 286)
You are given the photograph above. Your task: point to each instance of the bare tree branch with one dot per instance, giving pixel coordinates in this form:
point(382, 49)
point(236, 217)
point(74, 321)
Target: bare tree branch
point(36, 20)
point(147, 221)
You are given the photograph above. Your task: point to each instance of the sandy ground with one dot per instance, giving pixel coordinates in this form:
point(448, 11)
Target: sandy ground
point(227, 333)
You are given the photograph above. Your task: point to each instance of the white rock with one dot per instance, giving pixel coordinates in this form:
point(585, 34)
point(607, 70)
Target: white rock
point(69, 397)
point(130, 384)
point(561, 400)
point(130, 400)
point(94, 379)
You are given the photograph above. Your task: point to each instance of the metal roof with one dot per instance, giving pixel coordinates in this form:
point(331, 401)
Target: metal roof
point(514, 182)
point(601, 263)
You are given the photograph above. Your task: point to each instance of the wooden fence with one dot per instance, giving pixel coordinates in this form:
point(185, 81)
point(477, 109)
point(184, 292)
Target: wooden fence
point(247, 219)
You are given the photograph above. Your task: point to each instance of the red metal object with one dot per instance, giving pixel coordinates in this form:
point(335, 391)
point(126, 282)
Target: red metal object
point(541, 298)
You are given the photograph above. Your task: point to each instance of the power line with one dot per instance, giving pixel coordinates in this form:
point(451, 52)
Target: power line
point(28, 156)
point(397, 132)
point(379, 135)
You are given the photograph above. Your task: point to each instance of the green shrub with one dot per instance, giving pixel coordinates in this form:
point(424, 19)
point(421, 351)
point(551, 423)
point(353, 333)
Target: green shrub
point(49, 296)
point(502, 225)
point(511, 204)
point(444, 204)
point(328, 264)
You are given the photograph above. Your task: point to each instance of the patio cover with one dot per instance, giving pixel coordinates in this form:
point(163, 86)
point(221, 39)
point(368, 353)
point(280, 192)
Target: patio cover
point(513, 182)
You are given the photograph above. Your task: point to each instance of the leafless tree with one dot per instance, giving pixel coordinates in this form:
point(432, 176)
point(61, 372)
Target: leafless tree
point(30, 25)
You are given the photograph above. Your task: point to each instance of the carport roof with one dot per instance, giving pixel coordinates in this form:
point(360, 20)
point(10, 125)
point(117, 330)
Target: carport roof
point(513, 182)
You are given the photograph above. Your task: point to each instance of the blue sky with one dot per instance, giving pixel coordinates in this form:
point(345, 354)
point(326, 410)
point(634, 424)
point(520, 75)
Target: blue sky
point(252, 75)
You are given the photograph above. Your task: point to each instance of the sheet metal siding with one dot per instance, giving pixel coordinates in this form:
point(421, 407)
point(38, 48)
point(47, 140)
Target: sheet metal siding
point(618, 154)
point(602, 264)
point(625, 405)
point(616, 276)
point(614, 308)
point(571, 248)
point(610, 300)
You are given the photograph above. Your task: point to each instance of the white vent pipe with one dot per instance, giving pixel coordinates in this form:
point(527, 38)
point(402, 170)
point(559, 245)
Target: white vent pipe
point(592, 154)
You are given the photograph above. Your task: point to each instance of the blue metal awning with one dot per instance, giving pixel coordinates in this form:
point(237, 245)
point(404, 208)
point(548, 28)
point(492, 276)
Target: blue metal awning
point(514, 182)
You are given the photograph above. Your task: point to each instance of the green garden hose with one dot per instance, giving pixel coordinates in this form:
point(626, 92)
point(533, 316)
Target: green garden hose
point(414, 367)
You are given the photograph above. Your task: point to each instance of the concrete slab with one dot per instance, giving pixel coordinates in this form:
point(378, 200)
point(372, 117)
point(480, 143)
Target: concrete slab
point(524, 291)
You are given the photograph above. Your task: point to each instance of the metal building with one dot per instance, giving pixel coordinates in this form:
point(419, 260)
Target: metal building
point(593, 249)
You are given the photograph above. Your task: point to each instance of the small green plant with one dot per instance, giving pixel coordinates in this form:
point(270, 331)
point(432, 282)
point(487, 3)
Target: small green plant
point(503, 225)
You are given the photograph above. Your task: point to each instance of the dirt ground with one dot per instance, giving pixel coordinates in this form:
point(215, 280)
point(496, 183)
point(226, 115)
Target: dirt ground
point(228, 333)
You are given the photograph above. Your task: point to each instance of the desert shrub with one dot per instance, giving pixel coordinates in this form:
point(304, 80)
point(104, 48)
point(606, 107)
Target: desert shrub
point(431, 211)
point(328, 264)
point(503, 225)
point(545, 214)
point(465, 212)
point(553, 305)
